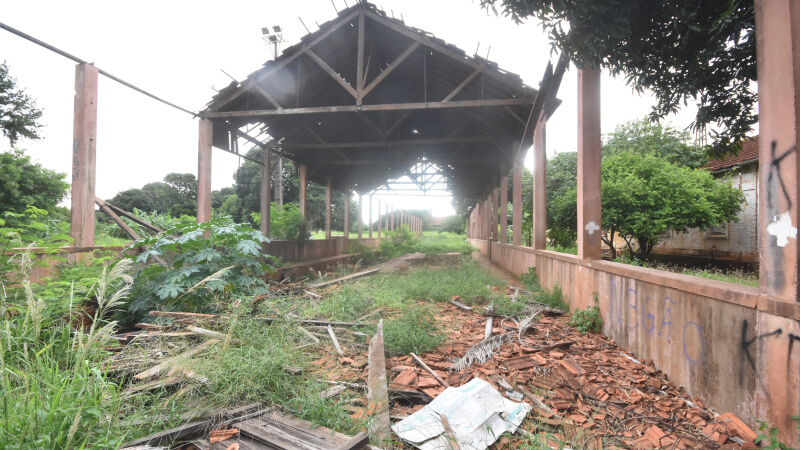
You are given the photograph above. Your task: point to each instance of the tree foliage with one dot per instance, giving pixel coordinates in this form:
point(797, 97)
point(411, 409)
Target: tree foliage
point(176, 196)
point(681, 50)
point(19, 116)
point(24, 183)
point(642, 137)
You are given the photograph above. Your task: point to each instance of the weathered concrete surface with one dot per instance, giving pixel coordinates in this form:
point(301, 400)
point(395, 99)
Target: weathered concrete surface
point(314, 248)
point(204, 140)
point(84, 149)
point(716, 339)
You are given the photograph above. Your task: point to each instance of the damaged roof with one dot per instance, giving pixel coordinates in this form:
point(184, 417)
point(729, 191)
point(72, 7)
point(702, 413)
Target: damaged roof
point(365, 96)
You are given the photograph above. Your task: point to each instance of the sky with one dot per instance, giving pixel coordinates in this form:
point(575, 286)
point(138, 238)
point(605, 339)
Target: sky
point(179, 49)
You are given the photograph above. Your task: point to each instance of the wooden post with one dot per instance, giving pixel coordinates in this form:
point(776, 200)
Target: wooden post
point(516, 199)
point(503, 207)
point(84, 148)
point(370, 216)
point(346, 220)
point(379, 219)
point(204, 171)
point(360, 212)
point(266, 195)
point(328, 208)
point(540, 185)
point(303, 173)
point(493, 214)
point(589, 227)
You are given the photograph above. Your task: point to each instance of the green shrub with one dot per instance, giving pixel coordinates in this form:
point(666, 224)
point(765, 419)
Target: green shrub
point(414, 331)
point(589, 319)
point(365, 253)
point(400, 242)
point(531, 280)
point(200, 270)
point(286, 222)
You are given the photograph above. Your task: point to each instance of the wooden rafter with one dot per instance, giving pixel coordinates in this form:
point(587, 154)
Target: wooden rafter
point(280, 65)
point(380, 107)
point(329, 70)
point(463, 84)
point(360, 60)
point(397, 61)
point(397, 123)
point(267, 96)
point(373, 125)
point(403, 142)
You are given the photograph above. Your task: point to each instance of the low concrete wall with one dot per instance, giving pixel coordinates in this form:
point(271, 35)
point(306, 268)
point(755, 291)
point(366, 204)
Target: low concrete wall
point(45, 259)
point(726, 344)
point(314, 248)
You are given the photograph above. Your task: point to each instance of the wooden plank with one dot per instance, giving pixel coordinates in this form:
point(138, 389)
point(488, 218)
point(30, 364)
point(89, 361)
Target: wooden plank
point(128, 230)
point(357, 442)
point(155, 370)
point(335, 341)
point(181, 315)
point(487, 332)
point(329, 70)
point(350, 277)
point(463, 84)
point(280, 435)
point(378, 392)
point(132, 217)
point(360, 75)
point(411, 106)
point(397, 61)
point(429, 370)
point(194, 428)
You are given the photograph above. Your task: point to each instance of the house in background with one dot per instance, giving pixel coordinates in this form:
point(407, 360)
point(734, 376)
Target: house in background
point(732, 241)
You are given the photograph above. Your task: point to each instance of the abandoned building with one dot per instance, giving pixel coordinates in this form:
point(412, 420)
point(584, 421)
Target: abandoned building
point(363, 98)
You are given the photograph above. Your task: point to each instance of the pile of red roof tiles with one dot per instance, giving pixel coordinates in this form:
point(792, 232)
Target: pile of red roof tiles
point(583, 387)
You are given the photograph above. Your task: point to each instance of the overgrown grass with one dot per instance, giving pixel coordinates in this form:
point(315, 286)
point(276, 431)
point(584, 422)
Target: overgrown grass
point(729, 275)
point(553, 298)
point(415, 330)
point(439, 242)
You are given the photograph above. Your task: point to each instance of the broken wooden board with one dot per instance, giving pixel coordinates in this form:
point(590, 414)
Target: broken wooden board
point(378, 391)
point(344, 279)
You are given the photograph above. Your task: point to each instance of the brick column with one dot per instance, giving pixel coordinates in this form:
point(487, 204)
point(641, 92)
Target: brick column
point(540, 185)
point(589, 164)
point(84, 148)
point(266, 194)
point(206, 133)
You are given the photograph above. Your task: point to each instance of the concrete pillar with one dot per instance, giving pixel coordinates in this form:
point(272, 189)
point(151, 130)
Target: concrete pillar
point(360, 212)
point(266, 194)
point(328, 208)
point(84, 148)
point(370, 216)
point(303, 175)
point(206, 133)
point(391, 226)
point(516, 205)
point(279, 181)
point(379, 219)
point(346, 220)
point(503, 207)
point(589, 164)
point(493, 211)
point(540, 185)
point(778, 26)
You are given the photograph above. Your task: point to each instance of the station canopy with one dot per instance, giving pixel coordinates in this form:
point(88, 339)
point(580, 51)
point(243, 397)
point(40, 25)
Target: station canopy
point(366, 97)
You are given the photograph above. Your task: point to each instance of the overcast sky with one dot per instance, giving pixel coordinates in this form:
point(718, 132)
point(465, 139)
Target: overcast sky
point(178, 49)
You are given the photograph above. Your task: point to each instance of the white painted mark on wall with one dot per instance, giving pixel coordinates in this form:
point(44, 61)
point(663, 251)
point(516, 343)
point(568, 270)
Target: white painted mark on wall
point(782, 229)
point(591, 227)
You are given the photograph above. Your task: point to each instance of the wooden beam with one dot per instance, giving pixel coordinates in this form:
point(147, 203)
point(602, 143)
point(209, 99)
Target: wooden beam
point(405, 142)
point(360, 60)
point(269, 98)
point(281, 64)
point(515, 115)
point(373, 125)
point(130, 216)
point(399, 60)
point(329, 70)
point(128, 230)
point(380, 107)
point(463, 84)
point(397, 123)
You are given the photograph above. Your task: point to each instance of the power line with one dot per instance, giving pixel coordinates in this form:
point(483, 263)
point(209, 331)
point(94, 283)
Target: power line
point(81, 61)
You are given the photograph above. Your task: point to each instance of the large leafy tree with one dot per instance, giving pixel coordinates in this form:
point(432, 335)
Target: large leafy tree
point(24, 183)
point(645, 195)
point(176, 196)
point(680, 50)
point(19, 116)
point(643, 136)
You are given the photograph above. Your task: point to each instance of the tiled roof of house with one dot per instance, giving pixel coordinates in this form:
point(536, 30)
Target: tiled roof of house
point(748, 153)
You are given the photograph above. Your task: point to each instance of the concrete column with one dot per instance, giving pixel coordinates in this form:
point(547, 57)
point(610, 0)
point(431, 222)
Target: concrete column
point(328, 208)
point(346, 220)
point(204, 171)
point(493, 219)
point(360, 212)
point(84, 148)
point(391, 226)
point(503, 207)
point(266, 194)
point(370, 216)
point(540, 185)
point(303, 174)
point(589, 164)
point(279, 181)
point(778, 50)
point(379, 219)
point(516, 205)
